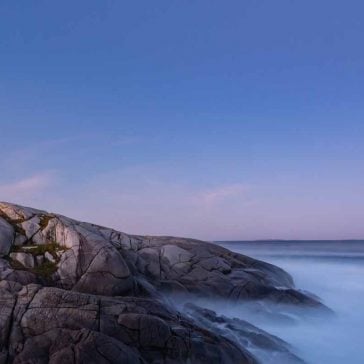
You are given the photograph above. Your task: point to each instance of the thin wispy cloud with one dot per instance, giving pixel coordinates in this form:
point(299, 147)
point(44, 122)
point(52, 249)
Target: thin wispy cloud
point(222, 193)
point(26, 188)
point(33, 150)
point(146, 201)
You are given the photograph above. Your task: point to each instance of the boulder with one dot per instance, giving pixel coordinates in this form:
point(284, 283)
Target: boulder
point(174, 254)
point(6, 237)
point(49, 257)
point(243, 333)
point(25, 259)
point(31, 226)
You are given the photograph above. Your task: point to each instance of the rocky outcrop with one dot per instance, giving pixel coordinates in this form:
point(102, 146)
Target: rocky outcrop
point(244, 334)
point(52, 325)
point(77, 292)
point(97, 260)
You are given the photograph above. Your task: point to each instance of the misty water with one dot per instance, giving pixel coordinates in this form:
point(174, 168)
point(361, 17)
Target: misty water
point(334, 271)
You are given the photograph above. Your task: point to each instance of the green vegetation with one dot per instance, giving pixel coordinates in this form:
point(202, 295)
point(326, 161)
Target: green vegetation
point(9, 220)
point(13, 223)
point(18, 229)
point(35, 250)
point(15, 264)
point(45, 270)
point(44, 220)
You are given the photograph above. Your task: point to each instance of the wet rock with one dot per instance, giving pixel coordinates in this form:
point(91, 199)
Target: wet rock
point(243, 333)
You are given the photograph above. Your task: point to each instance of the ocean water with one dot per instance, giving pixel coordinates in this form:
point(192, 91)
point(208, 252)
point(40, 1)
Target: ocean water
point(332, 270)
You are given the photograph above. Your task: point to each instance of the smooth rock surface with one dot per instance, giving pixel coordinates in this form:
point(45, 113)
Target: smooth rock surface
point(98, 295)
point(95, 259)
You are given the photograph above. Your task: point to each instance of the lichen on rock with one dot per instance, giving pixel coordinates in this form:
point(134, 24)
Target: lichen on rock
point(77, 292)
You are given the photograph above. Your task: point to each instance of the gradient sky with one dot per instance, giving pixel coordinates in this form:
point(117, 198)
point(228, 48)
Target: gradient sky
point(207, 118)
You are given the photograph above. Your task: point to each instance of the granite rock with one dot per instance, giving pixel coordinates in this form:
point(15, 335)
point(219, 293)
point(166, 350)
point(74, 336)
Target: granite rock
point(87, 293)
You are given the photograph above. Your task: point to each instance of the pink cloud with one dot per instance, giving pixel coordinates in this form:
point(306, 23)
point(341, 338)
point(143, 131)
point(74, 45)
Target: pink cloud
point(222, 193)
point(26, 187)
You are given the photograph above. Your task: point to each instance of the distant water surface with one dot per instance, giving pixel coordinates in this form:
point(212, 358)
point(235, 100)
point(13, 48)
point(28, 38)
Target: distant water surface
point(334, 271)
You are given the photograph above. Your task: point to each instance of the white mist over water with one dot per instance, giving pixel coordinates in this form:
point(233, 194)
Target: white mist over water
point(334, 272)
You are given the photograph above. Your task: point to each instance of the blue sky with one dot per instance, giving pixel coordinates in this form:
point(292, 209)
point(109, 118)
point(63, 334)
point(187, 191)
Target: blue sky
point(211, 119)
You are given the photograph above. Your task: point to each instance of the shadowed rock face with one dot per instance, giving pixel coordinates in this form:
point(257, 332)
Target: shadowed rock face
point(6, 237)
point(73, 292)
point(47, 324)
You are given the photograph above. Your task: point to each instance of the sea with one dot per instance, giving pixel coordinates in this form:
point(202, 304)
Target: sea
point(331, 270)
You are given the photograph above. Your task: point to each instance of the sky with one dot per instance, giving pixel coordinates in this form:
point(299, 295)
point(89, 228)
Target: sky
point(209, 119)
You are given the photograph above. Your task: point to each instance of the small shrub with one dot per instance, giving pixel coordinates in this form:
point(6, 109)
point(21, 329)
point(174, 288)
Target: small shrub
point(45, 270)
point(44, 220)
point(35, 250)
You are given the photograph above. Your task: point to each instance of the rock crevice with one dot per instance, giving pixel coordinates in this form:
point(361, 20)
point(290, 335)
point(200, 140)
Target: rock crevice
point(77, 292)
